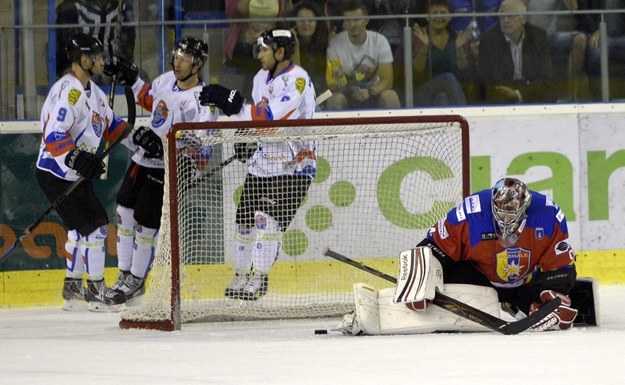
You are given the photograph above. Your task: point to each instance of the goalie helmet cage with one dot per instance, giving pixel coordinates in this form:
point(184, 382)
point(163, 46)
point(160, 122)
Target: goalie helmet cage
point(380, 184)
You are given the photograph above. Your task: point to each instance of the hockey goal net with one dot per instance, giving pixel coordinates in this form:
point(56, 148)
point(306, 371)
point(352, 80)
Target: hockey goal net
point(380, 184)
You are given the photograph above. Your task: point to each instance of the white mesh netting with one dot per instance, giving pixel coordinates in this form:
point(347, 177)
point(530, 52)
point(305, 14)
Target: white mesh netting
point(380, 184)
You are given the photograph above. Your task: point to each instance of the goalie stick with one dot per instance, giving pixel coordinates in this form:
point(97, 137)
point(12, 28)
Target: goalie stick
point(320, 99)
point(130, 98)
point(460, 308)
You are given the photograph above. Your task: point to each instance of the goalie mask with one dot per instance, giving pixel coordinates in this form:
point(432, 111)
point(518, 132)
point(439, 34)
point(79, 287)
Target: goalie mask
point(511, 198)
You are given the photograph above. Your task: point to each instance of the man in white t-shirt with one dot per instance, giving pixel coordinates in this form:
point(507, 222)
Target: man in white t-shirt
point(360, 64)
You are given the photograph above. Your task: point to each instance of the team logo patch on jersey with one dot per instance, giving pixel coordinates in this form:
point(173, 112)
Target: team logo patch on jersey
point(513, 264)
point(539, 232)
point(97, 123)
point(73, 96)
point(473, 204)
point(260, 221)
point(300, 84)
point(161, 112)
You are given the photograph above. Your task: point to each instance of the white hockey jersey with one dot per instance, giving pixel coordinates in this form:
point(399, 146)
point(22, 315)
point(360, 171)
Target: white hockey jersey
point(74, 117)
point(169, 105)
point(290, 95)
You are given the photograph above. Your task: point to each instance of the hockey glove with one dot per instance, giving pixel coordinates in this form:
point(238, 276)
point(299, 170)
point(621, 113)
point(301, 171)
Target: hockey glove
point(560, 319)
point(85, 163)
point(125, 71)
point(244, 151)
point(229, 101)
point(149, 141)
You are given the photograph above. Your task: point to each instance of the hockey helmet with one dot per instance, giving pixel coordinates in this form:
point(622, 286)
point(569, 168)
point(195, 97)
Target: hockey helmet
point(510, 201)
point(83, 44)
point(276, 38)
point(195, 48)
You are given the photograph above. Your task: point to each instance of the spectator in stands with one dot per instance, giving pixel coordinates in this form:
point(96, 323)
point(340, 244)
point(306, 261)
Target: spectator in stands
point(439, 59)
point(86, 13)
point(313, 41)
point(568, 45)
point(243, 36)
point(360, 64)
point(391, 27)
point(615, 23)
point(483, 23)
point(332, 8)
point(514, 62)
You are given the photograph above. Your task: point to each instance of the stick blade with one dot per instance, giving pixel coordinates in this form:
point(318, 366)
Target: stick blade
point(8, 251)
point(529, 321)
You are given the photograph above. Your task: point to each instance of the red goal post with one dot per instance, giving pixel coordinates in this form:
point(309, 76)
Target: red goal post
point(380, 184)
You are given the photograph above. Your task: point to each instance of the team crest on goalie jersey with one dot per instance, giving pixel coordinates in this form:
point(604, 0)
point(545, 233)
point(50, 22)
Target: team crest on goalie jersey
point(513, 264)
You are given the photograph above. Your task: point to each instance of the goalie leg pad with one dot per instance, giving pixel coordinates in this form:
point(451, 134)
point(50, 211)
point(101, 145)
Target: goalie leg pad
point(377, 314)
point(420, 275)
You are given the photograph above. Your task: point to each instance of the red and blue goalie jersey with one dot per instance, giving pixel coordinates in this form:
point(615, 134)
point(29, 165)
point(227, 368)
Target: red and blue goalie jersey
point(468, 234)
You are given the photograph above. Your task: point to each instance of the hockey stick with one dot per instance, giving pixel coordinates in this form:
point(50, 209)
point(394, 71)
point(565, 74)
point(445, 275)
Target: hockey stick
point(320, 99)
point(460, 308)
point(130, 97)
point(111, 96)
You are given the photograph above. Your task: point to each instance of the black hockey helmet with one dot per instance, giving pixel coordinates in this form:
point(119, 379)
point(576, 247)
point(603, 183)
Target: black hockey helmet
point(198, 49)
point(276, 38)
point(83, 44)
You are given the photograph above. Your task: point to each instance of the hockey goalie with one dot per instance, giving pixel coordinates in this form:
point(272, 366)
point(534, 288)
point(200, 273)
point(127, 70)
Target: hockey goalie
point(503, 250)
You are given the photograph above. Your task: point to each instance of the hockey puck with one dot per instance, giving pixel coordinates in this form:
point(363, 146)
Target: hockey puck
point(321, 331)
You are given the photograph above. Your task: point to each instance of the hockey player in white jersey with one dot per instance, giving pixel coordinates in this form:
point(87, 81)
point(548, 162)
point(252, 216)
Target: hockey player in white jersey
point(279, 173)
point(173, 97)
point(74, 120)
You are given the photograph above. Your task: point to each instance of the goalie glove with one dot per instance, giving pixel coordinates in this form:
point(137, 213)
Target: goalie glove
point(149, 141)
point(84, 163)
point(560, 319)
point(229, 101)
point(125, 71)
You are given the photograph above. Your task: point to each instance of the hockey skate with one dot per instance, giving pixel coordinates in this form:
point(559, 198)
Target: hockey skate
point(236, 286)
point(103, 299)
point(133, 287)
point(121, 278)
point(255, 287)
point(73, 292)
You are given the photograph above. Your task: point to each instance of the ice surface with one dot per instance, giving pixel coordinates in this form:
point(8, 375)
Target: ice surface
point(51, 346)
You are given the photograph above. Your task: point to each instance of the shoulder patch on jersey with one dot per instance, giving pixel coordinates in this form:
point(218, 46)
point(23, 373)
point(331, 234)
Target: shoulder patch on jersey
point(560, 216)
point(73, 96)
point(473, 204)
point(460, 215)
point(300, 84)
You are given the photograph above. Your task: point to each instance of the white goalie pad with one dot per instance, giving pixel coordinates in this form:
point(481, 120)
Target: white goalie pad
point(420, 275)
point(377, 314)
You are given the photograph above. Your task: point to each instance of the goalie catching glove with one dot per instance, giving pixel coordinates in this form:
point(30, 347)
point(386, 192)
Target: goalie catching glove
point(229, 101)
point(149, 141)
point(85, 163)
point(125, 71)
point(560, 319)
